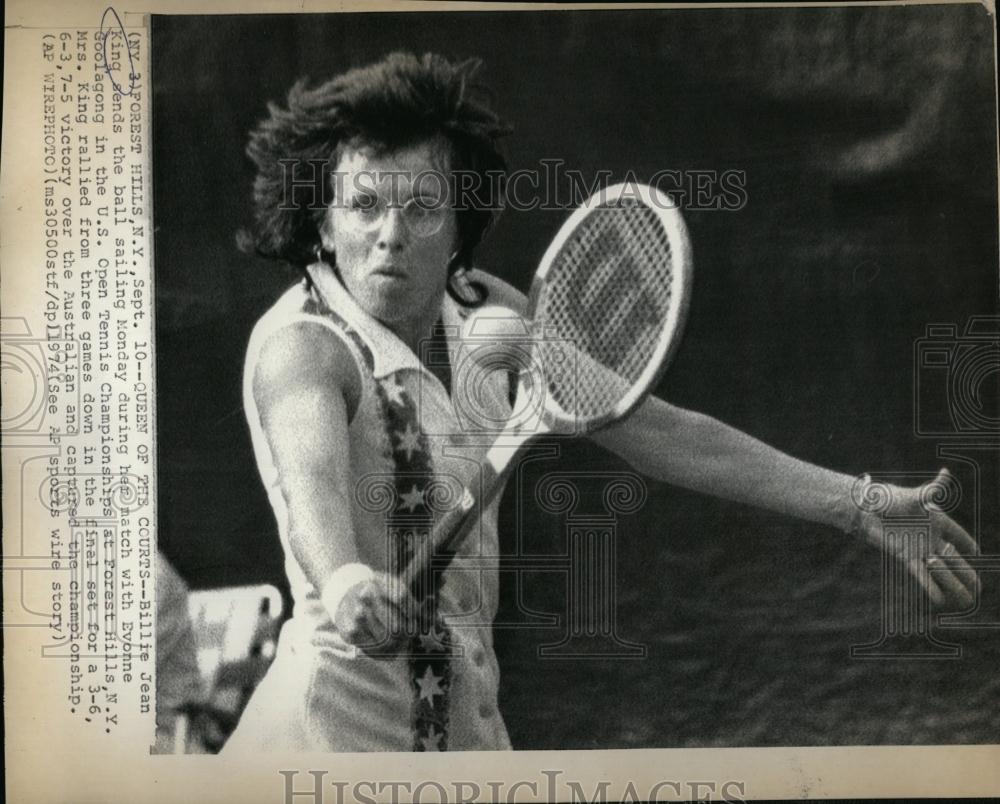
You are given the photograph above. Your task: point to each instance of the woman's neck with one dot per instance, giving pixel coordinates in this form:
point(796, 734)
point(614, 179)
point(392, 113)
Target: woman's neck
point(426, 338)
point(413, 332)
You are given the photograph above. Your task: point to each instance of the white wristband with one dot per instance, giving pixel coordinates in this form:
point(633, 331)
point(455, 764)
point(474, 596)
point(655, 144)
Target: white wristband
point(338, 584)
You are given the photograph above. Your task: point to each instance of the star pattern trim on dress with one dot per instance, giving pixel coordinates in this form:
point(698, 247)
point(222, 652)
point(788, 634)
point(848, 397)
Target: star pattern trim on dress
point(432, 741)
point(412, 499)
point(430, 685)
point(430, 657)
point(408, 441)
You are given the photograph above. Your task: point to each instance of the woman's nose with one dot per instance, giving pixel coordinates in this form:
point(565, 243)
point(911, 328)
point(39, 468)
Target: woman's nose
point(392, 235)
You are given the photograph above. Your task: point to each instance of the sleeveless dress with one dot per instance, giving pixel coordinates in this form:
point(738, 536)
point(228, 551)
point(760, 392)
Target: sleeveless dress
point(321, 694)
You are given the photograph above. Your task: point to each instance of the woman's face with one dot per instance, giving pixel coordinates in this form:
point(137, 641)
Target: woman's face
point(393, 231)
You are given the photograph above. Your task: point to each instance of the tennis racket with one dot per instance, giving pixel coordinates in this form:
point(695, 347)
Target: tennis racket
point(607, 307)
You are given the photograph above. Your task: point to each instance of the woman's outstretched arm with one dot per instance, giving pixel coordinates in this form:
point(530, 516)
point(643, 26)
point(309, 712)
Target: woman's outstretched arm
point(307, 388)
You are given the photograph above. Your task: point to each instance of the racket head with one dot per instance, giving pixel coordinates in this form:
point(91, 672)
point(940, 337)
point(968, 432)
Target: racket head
point(614, 284)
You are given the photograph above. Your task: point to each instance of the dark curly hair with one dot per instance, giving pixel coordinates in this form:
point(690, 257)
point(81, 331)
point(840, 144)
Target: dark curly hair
point(396, 102)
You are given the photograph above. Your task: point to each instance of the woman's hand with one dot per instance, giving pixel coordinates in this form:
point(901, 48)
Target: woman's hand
point(376, 618)
point(937, 563)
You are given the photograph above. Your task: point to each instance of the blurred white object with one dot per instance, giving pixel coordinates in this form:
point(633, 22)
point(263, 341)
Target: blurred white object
point(178, 678)
point(229, 621)
point(212, 648)
point(235, 633)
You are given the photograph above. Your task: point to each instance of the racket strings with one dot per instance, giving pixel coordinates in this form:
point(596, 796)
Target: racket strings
point(609, 291)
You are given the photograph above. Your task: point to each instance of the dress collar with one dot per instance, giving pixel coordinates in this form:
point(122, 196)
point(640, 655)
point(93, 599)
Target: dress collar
point(389, 352)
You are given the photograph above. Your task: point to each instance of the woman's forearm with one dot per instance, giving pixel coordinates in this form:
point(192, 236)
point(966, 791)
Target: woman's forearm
point(700, 453)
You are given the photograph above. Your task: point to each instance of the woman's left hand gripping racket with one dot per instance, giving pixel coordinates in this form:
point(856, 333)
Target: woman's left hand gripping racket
point(607, 307)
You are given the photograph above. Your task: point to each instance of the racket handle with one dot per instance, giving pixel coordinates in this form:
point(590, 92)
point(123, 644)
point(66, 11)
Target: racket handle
point(450, 529)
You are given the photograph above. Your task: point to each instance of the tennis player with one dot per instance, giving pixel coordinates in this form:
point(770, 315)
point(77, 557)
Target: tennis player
point(348, 422)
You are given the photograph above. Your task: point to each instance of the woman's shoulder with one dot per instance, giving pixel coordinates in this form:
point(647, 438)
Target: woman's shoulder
point(291, 347)
point(294, 323)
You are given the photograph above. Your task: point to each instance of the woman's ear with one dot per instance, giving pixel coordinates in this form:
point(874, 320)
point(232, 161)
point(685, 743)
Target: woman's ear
point(326, 233)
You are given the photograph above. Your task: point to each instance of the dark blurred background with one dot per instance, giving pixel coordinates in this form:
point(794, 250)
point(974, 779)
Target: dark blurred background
point(869, 145)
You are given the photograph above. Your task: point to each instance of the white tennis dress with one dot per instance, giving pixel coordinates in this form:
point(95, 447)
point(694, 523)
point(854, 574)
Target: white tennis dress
point(320, 694)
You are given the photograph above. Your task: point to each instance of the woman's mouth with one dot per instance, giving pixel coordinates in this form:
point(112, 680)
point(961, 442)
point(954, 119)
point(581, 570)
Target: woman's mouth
point(393, 271)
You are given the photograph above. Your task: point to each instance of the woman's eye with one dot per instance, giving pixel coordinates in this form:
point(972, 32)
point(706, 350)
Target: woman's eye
point(364, 203)
point(426, 204)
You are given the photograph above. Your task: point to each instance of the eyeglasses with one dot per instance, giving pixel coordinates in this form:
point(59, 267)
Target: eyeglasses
point(422, 217)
